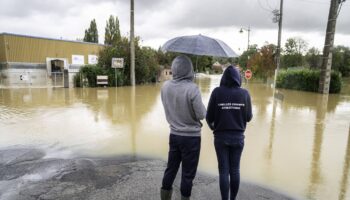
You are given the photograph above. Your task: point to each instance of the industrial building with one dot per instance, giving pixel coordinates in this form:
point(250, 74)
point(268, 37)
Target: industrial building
point(43, 62)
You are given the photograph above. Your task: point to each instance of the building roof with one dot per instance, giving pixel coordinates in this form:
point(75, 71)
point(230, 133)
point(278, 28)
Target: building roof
point(46, 38)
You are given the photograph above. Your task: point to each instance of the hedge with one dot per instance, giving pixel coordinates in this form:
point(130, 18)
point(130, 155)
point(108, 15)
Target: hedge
point(90, 72)
point(306, 80)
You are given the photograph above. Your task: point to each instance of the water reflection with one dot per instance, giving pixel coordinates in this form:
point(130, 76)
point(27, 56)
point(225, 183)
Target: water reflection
point(134, 125)
point(316, 174)
point(262, 97)
point(300, 145)
point(344, 184)
point(121, 104)
point(272, 131)
point(204, 84)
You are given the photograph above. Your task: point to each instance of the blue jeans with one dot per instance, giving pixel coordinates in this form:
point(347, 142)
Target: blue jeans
point(183, 150)
point(228, 151)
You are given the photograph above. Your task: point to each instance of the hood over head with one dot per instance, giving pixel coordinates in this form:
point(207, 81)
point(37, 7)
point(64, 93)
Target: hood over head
point(231, 77)
point(182, 68)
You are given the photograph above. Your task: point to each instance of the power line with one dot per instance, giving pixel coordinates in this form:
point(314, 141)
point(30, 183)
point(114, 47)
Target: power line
point(265, 9)
point(316, 2)
point(341, 4)
point(269, 5)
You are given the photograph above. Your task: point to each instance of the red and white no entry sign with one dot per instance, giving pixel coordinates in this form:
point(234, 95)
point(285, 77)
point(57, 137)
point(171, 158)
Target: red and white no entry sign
point(248, 74)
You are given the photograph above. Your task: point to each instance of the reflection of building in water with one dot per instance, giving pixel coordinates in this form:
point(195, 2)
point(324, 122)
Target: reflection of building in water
point(346, 168)
point(122, 104)
point(28, 60)
point(165, 74)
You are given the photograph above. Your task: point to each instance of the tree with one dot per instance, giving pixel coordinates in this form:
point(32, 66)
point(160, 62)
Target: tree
point(147, 66)
point(243, 60)
point(165, 59)
point(313, 58)
point(262, 62)
point(112, 31)
point(341, 60)
point(91, 34)
point(293, 52)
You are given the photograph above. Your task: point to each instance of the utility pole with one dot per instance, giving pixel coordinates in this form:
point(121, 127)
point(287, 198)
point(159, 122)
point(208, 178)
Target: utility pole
point(325, 76)
point(132, 44)
point(278, 50)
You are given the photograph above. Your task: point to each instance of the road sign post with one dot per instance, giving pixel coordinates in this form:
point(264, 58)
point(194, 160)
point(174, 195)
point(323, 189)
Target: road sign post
point(117, 63)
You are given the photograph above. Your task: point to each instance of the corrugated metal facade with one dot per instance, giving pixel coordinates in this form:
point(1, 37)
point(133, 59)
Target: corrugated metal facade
point(29, 49)
point(2, 49)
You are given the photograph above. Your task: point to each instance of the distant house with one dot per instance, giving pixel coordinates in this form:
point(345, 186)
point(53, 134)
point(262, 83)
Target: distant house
point(37, 61)
point(165, 74)
point(217, 67)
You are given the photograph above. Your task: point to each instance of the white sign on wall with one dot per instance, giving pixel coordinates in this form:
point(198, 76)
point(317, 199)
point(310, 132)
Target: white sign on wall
point(23, 77)
point(78, 60)
point(92, 59)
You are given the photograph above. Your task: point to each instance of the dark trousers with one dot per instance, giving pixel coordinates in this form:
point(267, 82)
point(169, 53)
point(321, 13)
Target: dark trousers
point(183, 150)
point(228, 152)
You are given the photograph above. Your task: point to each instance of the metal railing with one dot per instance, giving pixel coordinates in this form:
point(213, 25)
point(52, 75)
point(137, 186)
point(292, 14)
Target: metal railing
point(57, 79)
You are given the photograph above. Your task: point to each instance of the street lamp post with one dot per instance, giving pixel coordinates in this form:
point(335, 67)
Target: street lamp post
point(248, 30)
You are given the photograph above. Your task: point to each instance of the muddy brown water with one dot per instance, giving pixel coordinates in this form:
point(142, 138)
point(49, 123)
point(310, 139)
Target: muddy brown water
point(298, 142)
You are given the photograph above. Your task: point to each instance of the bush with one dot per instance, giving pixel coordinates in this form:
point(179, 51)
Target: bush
point(88, 72)
point(306, 80)
point(87, 76)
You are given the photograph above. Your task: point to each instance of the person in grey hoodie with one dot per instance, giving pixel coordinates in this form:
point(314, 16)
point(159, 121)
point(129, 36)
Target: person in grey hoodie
point(184, 109)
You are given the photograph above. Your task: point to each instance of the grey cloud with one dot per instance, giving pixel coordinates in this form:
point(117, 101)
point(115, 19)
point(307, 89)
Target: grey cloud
point(298, 15)
point(144, 6)
point(206, 14)
point(156, 17)
point(19, 9)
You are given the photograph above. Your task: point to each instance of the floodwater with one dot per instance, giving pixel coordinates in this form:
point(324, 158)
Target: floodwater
point(298, 142)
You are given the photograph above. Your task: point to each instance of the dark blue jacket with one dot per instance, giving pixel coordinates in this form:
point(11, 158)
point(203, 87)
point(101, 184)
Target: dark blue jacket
point(229, 107)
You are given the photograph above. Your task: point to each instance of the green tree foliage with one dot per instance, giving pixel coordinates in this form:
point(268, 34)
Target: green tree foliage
point(341, 60)
point(263, 63)
point(201, 63)
point(243, 60)
point(293, 52)
point(146, 63)
point(313, 58)
point(91, 34)
point(87, 76)
point(165, 59)
point(112, 31)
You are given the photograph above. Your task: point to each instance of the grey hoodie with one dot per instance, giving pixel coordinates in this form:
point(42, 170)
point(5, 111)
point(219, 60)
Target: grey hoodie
point(182, 100)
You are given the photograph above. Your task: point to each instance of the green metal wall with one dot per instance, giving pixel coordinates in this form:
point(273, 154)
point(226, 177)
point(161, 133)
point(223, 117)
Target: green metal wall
point(2, 49)
point(35, 50)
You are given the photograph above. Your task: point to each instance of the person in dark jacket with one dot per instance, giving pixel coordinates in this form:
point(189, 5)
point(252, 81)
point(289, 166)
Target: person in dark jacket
point(228, 112)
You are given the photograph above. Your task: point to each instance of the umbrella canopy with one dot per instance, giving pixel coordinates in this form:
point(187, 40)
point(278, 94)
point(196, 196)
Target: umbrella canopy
point(199, 45)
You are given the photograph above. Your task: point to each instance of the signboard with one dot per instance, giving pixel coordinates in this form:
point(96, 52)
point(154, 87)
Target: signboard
point(23, 77)
point(248, 74)
point(78, 60)
point(117, 62)
point(92, 59)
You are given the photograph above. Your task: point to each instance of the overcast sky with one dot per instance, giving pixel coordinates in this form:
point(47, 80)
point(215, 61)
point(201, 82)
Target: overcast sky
point(157, 21)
